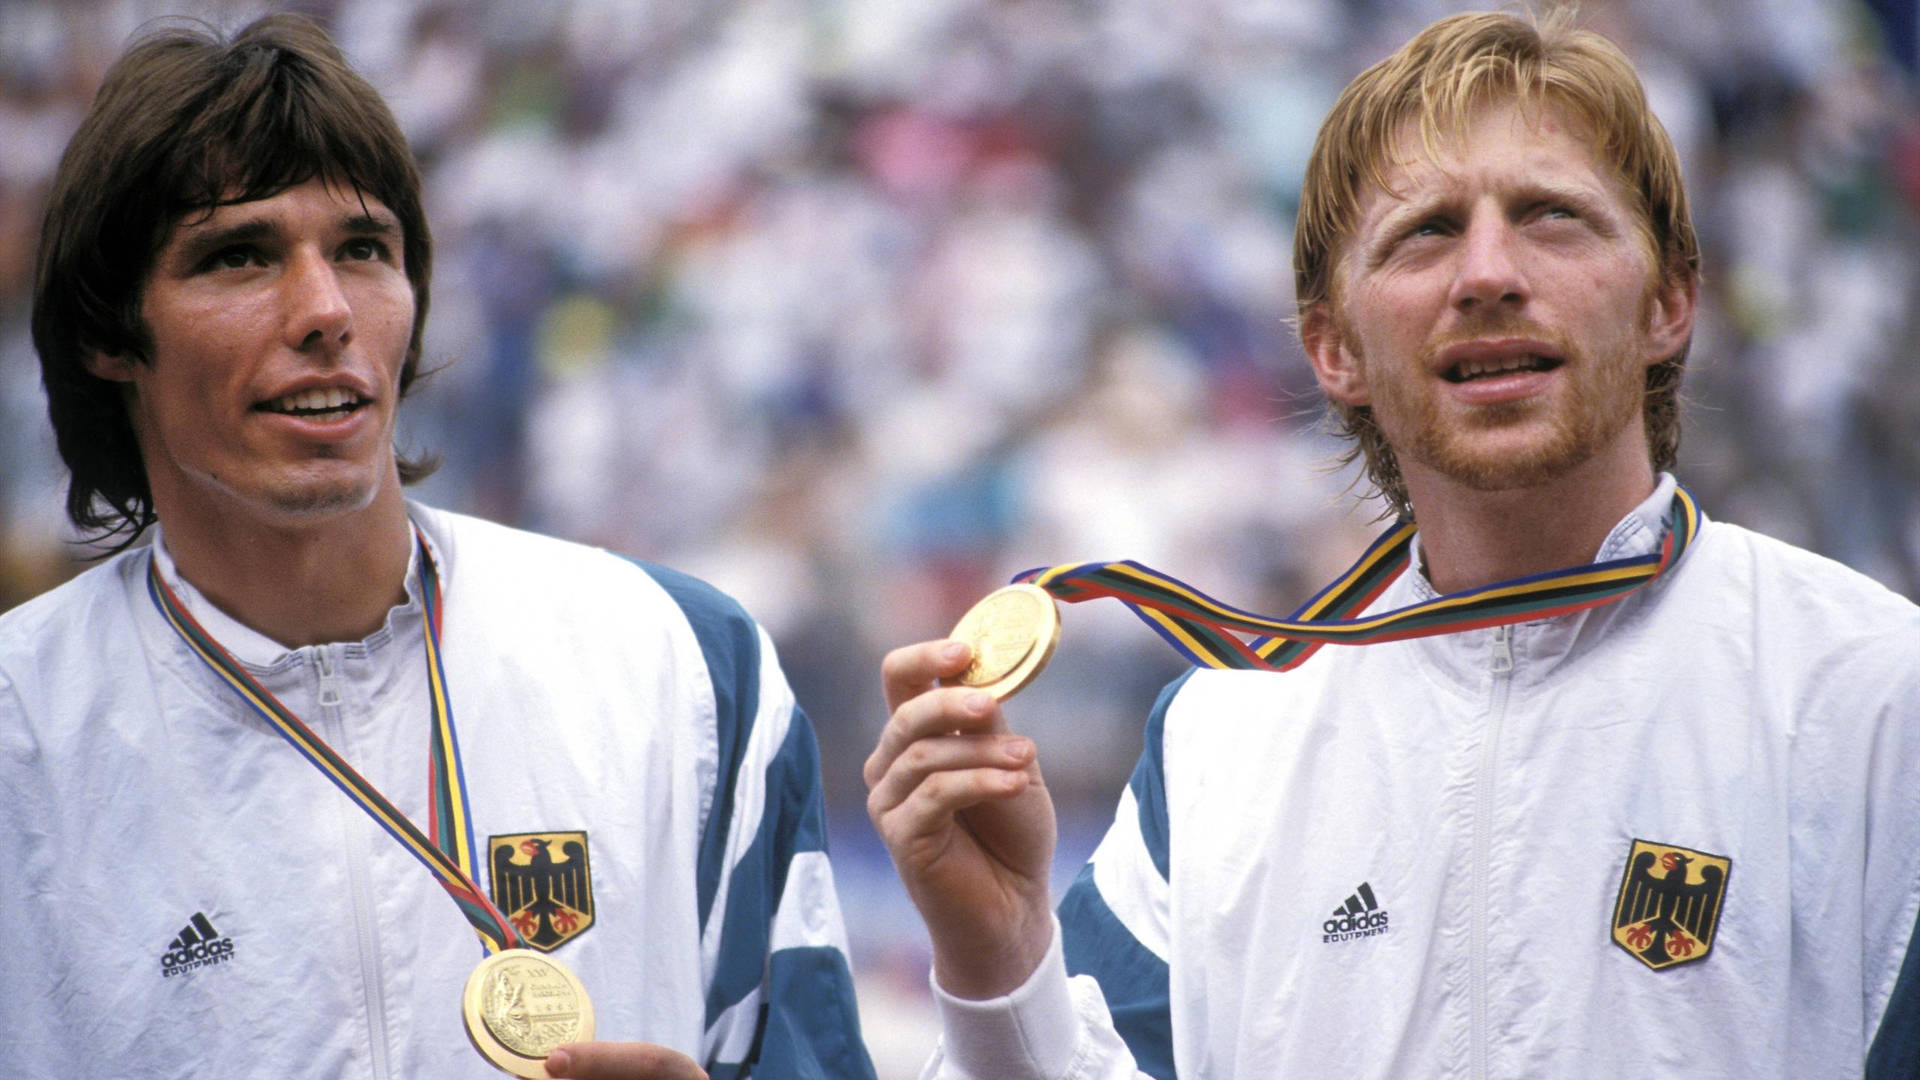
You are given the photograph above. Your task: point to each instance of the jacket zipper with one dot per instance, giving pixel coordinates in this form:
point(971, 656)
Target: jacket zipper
point(1501, 666)
point(329, 700)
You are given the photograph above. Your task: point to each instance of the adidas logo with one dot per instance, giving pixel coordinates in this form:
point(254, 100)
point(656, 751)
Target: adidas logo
point(1361, 916)
point(199, 945)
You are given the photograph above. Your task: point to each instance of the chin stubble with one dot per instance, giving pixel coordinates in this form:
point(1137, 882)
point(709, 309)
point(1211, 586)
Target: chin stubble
point(1604, 396)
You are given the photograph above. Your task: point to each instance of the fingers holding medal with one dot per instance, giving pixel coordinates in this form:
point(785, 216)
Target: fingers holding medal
point(1012, 632)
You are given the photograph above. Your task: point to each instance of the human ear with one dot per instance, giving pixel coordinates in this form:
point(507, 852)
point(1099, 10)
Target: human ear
point(113, 367)
point(1670, 313)
point(1334, 364)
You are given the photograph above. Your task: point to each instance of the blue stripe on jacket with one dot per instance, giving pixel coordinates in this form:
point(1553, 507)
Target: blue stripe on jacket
point(730, 644)
point(1149, 782)
point(1895, 1054)
point(808, 1024)
point(1132, 978)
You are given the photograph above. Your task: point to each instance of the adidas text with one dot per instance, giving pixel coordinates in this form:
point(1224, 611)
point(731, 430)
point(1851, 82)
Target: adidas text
point(1348, 927)
point(199, 945)
point(1361, 916)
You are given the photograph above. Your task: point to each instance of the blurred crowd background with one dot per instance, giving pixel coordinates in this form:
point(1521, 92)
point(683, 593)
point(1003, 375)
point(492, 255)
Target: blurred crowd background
point(857, 307)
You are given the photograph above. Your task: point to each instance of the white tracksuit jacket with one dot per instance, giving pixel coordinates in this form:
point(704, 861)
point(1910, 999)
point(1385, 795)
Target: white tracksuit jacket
point(1404, 860)
point(183, 895)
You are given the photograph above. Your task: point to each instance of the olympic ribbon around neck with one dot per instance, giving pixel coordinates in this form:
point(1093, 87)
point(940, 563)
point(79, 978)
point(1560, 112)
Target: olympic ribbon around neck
point(1201, 628)
point(448, 852)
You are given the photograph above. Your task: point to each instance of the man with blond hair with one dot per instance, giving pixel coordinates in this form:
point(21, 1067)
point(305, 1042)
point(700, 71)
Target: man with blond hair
point(1672, 830)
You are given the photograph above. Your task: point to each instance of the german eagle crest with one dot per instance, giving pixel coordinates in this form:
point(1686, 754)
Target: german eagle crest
point(542, 883)
point(1669, 904)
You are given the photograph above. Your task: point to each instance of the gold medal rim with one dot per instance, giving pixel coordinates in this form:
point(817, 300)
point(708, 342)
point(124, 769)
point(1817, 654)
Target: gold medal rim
point(1045, 638)
point(489, 1046)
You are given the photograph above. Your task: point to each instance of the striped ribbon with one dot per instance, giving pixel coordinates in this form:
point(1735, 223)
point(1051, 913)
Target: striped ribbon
point(448, 852)
point(1204, 630)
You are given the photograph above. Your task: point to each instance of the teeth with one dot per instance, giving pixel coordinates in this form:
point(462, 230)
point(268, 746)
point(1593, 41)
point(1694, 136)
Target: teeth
point(1468, 369)
point(323, 400)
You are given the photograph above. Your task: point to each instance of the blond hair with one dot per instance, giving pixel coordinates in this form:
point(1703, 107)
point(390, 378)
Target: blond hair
point(1438, 79)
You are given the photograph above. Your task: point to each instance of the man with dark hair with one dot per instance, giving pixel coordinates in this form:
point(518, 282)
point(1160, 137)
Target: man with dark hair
point(1615, 790)
point(229, 306)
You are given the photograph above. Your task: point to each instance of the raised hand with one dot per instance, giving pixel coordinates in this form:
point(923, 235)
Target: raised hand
point(960, 803)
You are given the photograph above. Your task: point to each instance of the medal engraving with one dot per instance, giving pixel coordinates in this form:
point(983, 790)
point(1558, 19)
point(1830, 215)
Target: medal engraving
point(520, 1006)
point(1012, 632)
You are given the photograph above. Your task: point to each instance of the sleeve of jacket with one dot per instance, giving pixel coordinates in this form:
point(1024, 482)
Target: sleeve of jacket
point(780, 999)
point(1099, 1006)
point(1890, 666)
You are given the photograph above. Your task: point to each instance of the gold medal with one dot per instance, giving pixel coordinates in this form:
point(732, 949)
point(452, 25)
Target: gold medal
point(520, 1006)
point(1012, 632)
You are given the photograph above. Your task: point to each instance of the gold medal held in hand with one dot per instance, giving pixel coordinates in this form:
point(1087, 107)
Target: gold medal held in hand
point(521, 1006)
point(1012, 633)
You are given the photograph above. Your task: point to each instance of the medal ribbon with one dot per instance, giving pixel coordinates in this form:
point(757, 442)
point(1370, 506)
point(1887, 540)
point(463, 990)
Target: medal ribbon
point(448, 852)
point(1202, 628)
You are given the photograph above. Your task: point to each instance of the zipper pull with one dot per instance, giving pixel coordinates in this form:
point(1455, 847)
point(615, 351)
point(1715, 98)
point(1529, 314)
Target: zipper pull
point(329, 677)
point(1503, 649)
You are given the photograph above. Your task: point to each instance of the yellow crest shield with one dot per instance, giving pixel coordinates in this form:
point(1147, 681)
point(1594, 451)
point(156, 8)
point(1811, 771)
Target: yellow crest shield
point(1669, 904)
point(541, 881)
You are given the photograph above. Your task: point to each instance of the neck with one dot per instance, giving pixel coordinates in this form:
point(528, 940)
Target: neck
point(1475, 538)
point(305, 585)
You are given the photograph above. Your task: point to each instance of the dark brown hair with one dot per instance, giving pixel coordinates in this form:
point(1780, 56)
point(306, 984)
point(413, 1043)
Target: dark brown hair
point(184, 122)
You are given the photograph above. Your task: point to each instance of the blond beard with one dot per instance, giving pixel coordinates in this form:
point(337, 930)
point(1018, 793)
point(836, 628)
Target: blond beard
point(1606, 394)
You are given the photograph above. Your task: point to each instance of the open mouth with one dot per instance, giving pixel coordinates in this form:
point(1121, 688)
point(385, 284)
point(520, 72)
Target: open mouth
point(330, 403)
point(1488, 367)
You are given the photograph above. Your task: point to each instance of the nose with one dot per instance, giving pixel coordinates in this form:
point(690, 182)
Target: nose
point(1488, 273)
point(319, 316)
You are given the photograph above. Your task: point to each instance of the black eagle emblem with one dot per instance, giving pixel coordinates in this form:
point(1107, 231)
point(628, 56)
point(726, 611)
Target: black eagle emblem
point(1669, 904)
point(542, 883)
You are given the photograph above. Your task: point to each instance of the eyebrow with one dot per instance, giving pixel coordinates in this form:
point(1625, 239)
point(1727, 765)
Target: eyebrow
point(197, 242)
point(202, 241)
point(1407, 213)
point(371, 225)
